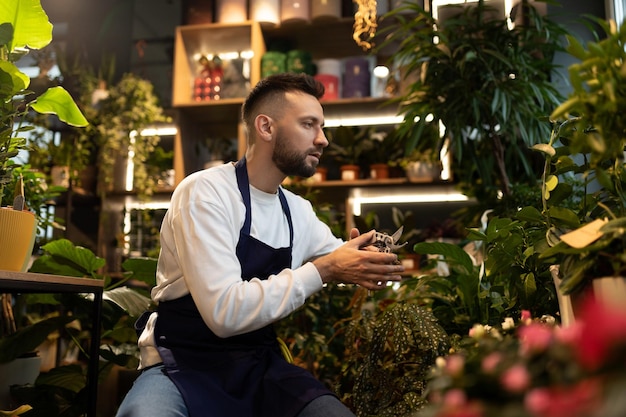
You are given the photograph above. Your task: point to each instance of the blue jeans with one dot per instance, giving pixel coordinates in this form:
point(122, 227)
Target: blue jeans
point(154, 395)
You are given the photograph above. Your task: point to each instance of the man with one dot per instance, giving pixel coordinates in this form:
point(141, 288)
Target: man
point(237, 254)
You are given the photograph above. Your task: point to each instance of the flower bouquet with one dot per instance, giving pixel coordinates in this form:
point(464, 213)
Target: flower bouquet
point(534, 368)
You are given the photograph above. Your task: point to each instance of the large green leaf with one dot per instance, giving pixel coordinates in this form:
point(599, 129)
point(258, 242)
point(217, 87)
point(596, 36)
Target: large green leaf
point(28, 338)
point(63, 257)
point(57, 100)
point(449, 251)
point(30, 23)
point(143, 269)
point(130, 300)
point(71, 377)
point(12, 80)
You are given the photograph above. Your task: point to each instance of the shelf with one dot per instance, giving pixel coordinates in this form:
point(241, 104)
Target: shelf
point(402, 181)
point(212, 39)
point(31, 282)
point(228, 111)
point(11, 281)
point(225, 111)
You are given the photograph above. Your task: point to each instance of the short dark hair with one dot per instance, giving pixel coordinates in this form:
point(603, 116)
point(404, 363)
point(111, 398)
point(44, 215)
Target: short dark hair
point(278, 84)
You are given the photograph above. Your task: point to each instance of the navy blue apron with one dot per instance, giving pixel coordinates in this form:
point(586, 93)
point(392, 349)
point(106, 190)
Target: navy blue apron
point(244, 375)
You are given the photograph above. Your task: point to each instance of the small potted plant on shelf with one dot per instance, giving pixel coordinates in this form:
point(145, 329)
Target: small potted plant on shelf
point(220, 150)
point(386, 147)
point(348, 147)
point(421, 165)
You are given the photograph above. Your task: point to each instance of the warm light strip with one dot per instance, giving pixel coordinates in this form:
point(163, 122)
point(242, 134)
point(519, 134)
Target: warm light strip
point(363, 121)
point(169, 130)
point(437, 3)
point(147, 205)
point(358, 201)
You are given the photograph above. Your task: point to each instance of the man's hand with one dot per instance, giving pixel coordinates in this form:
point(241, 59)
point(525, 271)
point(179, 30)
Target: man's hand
point(349, 264)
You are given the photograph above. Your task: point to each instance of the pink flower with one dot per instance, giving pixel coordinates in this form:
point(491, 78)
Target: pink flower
point(526, 316)
point(455, 364)
point(603, 331)
point(477, 331)
point(490, 362)
point(515, 379)
point(566, 401)
point(537, 401)
point(455, 404)
point(570, 335)
point(534, 338)
point(455, 398)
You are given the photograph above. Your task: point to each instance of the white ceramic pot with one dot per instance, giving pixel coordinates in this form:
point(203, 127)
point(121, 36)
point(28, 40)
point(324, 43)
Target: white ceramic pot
point(21, 371)
point(419, 171)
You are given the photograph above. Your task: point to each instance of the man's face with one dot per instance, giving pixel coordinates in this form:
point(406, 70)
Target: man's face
point(299, 139)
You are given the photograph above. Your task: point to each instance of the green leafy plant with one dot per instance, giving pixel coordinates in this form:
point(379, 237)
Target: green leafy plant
point(384, 147)
point(349, 144)
point(63, 389)
point(389, 351)
point(24, 26)
point(489, 85)
point(39, 193)
point(130, 107)
point(587, 146)
point(504, 275)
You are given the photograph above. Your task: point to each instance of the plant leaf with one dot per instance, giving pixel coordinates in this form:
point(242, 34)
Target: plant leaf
point(74, 261)
point(449, 251)
point(31, 26)
point(128, 299)
point(57, 100)
point(27, 339)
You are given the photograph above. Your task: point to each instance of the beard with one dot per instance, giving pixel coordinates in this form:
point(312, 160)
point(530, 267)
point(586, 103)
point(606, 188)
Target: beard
point(291, 162)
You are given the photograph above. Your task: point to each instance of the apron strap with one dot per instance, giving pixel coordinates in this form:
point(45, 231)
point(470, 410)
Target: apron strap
point(244, 187)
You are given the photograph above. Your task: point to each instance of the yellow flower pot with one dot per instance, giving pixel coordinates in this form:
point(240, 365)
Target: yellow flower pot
point(17, 237)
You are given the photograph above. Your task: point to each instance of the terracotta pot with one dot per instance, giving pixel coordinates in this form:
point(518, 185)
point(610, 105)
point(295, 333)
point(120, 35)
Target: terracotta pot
point(379, 171)
point(349, 172)
point(410, 261)
point(17, 238)
point(320, 175)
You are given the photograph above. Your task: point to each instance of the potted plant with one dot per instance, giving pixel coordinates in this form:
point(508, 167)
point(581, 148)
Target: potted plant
point(220, 149)
point(485, 82)
point(126, 297)
point(575, 228)
point(23, 24)
point(587, 145)
point(128, 107)
point(385, 147)
point(421, 165)
point(348, 145)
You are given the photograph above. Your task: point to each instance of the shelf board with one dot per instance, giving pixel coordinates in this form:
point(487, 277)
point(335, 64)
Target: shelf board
point(402, 181)
point(228, 111)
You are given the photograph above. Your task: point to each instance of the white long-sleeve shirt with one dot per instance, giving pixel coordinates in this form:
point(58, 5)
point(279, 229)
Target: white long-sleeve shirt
point(199, 236)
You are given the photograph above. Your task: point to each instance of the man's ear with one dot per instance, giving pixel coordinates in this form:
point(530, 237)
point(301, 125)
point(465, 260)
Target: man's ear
point(264, 126)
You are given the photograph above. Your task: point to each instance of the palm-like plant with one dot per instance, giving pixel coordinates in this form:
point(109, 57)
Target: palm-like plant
point(487, 83)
